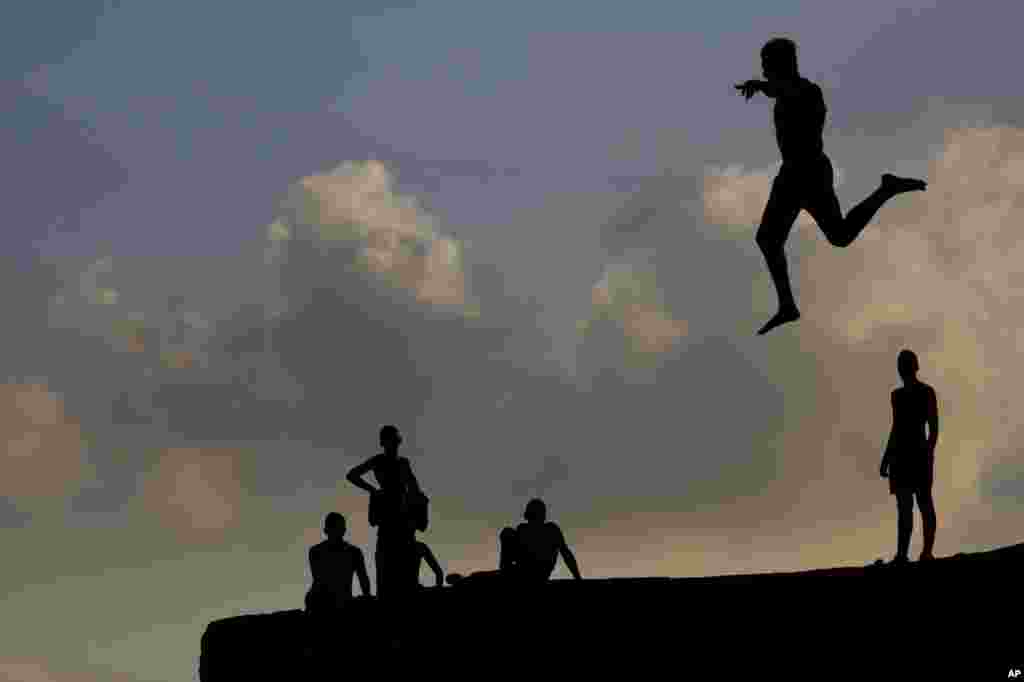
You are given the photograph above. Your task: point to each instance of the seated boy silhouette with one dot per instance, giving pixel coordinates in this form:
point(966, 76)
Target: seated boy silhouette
point(333, 563)
point(529, 552)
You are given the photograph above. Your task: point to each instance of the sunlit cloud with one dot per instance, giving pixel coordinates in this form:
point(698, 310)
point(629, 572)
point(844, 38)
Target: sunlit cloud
point(630, 297)
point(195, 492)
point(357, 204)
point(42, 452)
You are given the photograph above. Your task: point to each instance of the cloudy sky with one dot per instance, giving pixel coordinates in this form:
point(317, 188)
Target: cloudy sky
point(240, 237)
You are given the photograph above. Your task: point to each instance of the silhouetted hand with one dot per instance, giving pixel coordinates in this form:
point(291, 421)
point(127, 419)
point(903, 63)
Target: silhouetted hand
point(749, 88)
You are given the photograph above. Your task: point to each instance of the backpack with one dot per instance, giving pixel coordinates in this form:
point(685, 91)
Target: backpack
point(418, 510)
point(416, 507)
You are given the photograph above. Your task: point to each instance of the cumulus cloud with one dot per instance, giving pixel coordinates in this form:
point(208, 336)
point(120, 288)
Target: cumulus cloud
point(42, 445)
point(357, 204)
point(353, 289)
point(132, 311)
point(630, 297)
point(195, 492)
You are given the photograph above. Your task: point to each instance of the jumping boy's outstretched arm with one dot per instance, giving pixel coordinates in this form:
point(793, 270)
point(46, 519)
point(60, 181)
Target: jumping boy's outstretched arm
point(773, 89)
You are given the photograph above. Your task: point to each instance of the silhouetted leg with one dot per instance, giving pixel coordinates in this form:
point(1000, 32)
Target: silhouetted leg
point(388, 553)
point(823, 206)
point(392, 582)
point(904, 523)
point(776, 222)
point(313, 624)
point(927, 506)
point(322, 616)
point(413, 563)
point(414, 566)
point(379, 573)
point(380, 562)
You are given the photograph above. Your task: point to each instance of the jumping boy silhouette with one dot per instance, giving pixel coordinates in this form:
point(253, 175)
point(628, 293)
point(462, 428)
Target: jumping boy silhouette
point(806, 178)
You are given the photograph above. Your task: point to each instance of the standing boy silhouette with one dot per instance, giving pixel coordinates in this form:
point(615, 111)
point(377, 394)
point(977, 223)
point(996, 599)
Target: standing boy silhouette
point(909, 459)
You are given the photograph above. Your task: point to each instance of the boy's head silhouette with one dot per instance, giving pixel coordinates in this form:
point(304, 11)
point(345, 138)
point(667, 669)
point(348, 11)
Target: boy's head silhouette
point(334, 526)
point(906, 363)
point(390, 438)
point(778, 59)
point(536, 511)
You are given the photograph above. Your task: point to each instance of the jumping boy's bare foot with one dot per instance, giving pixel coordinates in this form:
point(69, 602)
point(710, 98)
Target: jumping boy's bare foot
point(898, 185)
point(785, 314)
